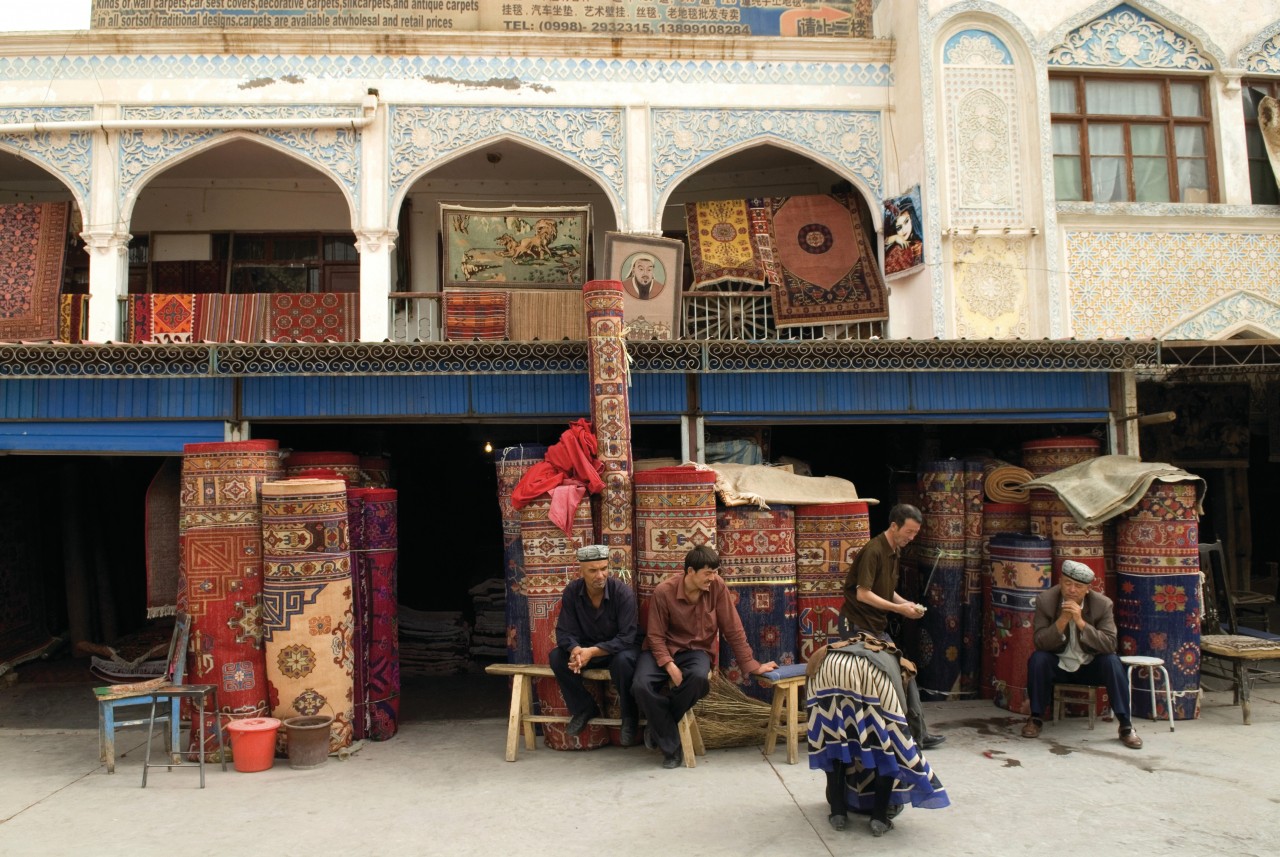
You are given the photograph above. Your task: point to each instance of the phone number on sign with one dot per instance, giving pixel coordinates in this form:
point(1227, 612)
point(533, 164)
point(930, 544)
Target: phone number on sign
point(707, 29)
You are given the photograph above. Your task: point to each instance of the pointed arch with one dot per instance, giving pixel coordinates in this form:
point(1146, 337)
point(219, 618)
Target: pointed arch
point(589, 139)
point(147, 154)
point(403, 185)
point(79, 190)
point(1232, 314)
point(1157, 37)
point(1262, 54)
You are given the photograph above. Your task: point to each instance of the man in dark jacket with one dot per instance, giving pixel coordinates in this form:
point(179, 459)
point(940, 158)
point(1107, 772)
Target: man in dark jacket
point(596, 629)
point(1075, 634)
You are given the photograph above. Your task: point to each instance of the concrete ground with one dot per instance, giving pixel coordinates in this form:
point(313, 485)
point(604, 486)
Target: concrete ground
point(441, 787)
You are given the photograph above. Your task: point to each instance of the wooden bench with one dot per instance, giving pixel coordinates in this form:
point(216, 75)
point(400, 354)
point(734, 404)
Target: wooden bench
point(521, 717)
point(784, 716)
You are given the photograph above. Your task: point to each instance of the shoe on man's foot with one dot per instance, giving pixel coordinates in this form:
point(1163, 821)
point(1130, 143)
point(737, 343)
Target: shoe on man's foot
point(1129, 738)
point(650, 738)
point(895, 811)
point(1031, 729)
point(674, 760)
point(838, 820)
point(931, 741)
point(627, 734)
point(880, 828)
point(578, 722)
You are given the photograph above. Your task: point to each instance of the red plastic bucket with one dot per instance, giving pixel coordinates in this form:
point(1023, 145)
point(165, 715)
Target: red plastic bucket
point(253, 743)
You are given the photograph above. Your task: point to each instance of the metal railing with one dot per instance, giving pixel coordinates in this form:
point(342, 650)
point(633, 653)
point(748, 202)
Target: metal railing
point(416, 317)
point(708, 316)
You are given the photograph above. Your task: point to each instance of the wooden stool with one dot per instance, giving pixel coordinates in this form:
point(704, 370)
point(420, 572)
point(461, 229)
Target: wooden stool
point(1085, 694)
point(784, 716)
point(520, 719)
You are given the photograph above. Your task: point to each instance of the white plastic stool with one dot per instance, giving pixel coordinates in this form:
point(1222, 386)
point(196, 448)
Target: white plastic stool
point(1152, 664)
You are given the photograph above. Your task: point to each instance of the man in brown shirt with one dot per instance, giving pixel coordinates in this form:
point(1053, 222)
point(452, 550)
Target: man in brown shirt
point(686, 614)
point(870, 595)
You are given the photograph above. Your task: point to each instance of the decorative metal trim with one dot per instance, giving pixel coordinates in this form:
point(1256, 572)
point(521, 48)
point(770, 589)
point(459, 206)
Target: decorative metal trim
point(1243, 354)
point(507, 358)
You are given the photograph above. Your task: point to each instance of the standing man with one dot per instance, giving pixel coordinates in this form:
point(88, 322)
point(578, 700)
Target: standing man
point(686, 613)
point(870, 595)
point(596, 629)
point(1076, 644)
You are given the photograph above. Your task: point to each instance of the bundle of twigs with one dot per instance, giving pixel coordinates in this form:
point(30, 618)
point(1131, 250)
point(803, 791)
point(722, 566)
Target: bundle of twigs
point(727, 717)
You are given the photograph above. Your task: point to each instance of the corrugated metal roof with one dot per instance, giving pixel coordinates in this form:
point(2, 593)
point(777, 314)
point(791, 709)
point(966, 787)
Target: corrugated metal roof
point(116, 398)
point(151, 436)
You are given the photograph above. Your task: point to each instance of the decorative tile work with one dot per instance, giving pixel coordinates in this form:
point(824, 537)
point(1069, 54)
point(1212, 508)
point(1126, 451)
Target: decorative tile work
point(69, 155)
point(849, 140)
point(1262, 55)
point(1126, 38)
point(975, 47)
point(592, 138)
point(334, 151)
point(1134, 283)
point(1229, 315)
point(443, 69)
point(990, 282)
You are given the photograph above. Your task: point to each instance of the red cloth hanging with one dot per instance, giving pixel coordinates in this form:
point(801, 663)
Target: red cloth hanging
point(574, 455)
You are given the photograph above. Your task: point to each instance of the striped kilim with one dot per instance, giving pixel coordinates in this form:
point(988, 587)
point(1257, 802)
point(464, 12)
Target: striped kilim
point(856, 717)
point(550, 562)
point(675, 513)
point(512, 463)
point(611, 418)
point(1020, 566)
point(758, 563)
point(308, 617)
point(828, 537)
point(997, 518)
point(1159, 601)
point(220, 572)
point(940, 552)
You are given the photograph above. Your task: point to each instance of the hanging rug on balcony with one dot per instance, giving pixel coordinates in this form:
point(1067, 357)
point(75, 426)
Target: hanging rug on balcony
point(31, 268)
point(826, 269)
point(721, 248)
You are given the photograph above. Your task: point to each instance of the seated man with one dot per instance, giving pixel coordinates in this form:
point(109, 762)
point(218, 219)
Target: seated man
point(596, 629)
point(686, 613)
point(1076, 644)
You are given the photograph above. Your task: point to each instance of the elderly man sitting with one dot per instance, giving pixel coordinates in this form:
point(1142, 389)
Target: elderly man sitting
point(596, 629)
point(1075, 635)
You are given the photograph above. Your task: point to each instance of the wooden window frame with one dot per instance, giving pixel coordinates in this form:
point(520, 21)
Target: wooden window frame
point(1272, 87)
point(1082, 119)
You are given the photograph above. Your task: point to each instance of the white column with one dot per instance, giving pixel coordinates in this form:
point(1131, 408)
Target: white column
point(375, 246)
point(639, 164)
point(1234, 157)
point(108, 281)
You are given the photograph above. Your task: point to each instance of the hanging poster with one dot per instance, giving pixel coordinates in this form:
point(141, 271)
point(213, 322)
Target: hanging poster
point(903, 234)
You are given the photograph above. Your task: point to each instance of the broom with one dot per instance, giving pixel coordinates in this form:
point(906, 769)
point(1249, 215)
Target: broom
point(727, 717)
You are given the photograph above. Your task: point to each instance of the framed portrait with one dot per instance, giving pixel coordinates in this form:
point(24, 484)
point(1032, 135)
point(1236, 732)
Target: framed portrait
point(903, 234)
point(652, 274)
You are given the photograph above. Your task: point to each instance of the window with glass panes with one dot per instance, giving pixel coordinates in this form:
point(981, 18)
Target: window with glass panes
point(1262, 180)
point(1123, 139)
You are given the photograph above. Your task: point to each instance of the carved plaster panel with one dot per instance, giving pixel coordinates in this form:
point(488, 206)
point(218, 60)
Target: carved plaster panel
point(333, 151)
point(684, 140)
point(1239, 311)
point(507, 72)
point(1262, 55)
point(1134, 283)
point(588, 137)
point(1124, 37)
point(67, 154)
point(984, 177)
point(990, 280)
point(975, 47)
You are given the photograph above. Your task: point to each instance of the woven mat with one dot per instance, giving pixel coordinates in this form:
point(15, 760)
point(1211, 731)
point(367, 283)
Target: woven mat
point(548, 316)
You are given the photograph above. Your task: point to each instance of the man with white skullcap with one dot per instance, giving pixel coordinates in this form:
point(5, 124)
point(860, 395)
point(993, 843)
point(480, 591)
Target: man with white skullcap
point(1075, 635)
point(596, 629)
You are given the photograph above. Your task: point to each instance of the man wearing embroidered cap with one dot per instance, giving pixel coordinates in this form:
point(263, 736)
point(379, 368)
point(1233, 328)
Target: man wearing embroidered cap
point(1075, 635)
point(596, 629)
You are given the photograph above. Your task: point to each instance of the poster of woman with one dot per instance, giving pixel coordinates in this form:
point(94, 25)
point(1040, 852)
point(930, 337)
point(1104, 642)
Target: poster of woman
point(903, 235)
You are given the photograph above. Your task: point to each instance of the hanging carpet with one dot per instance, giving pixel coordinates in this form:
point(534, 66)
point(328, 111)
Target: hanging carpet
point(483, 315)
point(827, 271)
point(73, 312)
point(31, 257)
point(721, 248)
point(328, 317)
